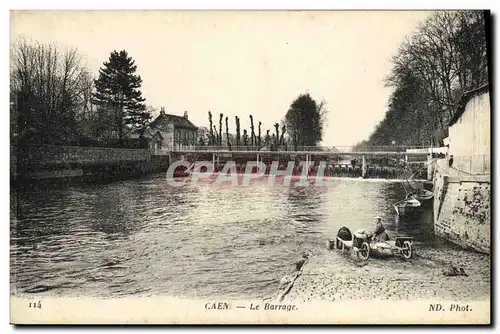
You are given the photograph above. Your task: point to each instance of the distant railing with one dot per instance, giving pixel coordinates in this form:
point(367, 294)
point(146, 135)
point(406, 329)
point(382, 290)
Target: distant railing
point(291, 148)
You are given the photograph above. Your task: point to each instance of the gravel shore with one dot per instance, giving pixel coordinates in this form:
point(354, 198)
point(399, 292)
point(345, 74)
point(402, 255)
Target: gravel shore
point(329, 276)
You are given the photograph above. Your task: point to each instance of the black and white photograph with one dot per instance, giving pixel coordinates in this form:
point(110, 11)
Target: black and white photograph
point(250, 167)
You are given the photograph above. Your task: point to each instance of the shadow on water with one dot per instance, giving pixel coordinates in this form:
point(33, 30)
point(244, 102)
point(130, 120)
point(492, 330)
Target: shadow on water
point(419, 225)
point(39, 215)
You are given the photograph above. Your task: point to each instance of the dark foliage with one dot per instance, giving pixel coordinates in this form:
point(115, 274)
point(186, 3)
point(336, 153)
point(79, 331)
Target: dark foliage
point(444, 58)
point(117, 91)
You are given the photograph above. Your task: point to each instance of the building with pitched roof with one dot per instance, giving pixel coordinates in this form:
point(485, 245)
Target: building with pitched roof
point(176, 131)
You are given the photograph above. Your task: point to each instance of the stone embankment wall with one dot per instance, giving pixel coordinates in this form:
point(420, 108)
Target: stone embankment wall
point(89, 163)
point(462, 210)
point(462, 191)
point(48, 155)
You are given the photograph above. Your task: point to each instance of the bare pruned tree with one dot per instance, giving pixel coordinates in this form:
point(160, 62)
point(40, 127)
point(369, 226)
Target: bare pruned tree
point(51, 91)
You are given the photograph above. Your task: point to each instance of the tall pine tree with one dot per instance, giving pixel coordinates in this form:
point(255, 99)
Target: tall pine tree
point(118, 92)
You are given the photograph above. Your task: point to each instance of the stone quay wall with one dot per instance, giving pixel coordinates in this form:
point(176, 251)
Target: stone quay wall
point(462, 210)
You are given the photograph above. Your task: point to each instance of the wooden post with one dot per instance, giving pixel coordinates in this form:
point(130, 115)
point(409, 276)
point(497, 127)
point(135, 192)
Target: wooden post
point(307, 164)
point(429, 166)
point(363, 166)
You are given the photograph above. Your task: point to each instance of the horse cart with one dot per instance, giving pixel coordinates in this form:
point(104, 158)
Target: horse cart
point(364, 243)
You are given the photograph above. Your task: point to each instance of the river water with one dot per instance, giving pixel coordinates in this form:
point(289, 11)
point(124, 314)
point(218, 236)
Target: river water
point(143, 237)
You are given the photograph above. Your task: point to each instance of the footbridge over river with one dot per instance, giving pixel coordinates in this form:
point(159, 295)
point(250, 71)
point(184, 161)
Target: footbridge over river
point(399, 155)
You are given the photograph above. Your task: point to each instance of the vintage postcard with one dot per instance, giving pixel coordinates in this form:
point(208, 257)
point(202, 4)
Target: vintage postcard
point(250, 167)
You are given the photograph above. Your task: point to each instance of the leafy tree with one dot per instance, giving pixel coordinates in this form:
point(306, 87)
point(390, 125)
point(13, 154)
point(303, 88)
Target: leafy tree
point(245, 137)
point(267, 138)
point(305, 121)
point(273, 142)
point(118, 90)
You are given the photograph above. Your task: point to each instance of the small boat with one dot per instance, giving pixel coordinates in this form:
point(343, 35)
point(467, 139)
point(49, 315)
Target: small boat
point(406, 206)
point(415, 190)
point(420, 195)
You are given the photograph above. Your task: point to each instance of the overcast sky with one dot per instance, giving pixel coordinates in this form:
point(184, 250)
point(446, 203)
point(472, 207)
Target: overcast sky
point(242, 63)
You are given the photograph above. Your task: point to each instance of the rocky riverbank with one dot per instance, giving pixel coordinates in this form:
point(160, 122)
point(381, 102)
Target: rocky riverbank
point(331, 276)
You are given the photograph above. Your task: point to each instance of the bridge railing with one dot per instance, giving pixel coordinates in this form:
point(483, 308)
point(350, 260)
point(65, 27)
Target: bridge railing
point(291, 148)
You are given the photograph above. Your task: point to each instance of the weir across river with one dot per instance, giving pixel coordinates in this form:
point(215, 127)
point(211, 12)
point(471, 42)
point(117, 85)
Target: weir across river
point(398, 155)
point(316, 150)
point(76, 161)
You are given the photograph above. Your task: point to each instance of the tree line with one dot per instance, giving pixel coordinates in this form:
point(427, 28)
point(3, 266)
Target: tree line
point(55, 100)
point(445, 57)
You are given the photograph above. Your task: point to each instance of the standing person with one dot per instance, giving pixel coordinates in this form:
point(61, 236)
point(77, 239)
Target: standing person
point(450, 161)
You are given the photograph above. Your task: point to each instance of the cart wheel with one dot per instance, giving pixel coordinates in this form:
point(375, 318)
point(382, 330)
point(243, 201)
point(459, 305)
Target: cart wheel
point(364, 251)
point(406, 250)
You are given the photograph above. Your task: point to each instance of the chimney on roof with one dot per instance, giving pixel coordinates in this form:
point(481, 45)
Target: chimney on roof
point(162, 111)
point(186, 114)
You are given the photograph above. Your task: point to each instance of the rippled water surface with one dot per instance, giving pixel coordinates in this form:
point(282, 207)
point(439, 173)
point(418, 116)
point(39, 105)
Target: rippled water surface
point(143, 237)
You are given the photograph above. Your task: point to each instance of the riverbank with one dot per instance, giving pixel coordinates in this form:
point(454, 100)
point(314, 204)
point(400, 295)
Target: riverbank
point(330, 276)
point(68, 164)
